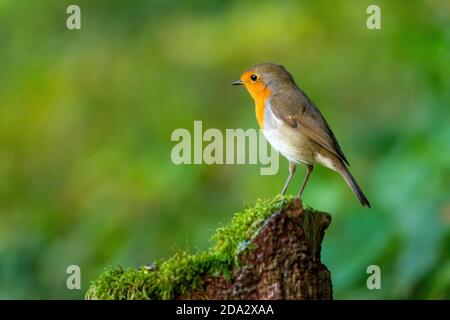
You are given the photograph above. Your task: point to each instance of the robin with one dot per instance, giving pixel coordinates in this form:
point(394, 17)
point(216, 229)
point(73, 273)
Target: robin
point(293, 125)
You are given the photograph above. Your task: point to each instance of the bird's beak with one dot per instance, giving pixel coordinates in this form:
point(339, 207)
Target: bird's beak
point(237, 83)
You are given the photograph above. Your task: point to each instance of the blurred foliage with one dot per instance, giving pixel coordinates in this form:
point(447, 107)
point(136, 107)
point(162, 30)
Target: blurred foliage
point(86, 118)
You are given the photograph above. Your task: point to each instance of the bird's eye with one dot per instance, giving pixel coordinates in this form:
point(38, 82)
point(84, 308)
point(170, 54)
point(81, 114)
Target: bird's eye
point(253, 77)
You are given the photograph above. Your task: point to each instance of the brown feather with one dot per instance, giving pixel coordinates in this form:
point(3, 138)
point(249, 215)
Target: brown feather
point(298, 111)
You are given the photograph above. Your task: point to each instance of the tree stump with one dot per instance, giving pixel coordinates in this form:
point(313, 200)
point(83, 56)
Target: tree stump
point(269, 251)
point(284, 264)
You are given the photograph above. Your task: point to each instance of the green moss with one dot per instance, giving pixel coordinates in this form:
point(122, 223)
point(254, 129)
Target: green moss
point(184, 271)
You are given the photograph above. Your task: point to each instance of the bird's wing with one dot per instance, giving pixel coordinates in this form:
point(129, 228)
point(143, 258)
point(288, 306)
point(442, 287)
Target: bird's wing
point(298, 111)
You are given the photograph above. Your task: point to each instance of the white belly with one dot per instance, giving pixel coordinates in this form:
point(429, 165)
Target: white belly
point(285, 139)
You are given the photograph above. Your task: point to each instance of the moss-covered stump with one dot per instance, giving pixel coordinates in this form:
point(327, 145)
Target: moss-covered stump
point(269, 251)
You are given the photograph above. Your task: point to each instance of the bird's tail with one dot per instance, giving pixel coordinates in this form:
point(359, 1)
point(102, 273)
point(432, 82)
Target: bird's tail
point(345, 173)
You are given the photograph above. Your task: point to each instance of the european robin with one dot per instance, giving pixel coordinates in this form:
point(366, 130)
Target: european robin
point(293, 125)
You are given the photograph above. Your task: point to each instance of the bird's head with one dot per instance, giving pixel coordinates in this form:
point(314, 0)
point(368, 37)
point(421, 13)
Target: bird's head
point(258, 78)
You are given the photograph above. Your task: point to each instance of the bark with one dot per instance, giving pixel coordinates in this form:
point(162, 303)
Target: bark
point(283, 262)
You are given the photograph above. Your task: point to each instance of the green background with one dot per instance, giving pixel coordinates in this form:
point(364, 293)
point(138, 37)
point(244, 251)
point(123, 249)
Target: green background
point(86, 118)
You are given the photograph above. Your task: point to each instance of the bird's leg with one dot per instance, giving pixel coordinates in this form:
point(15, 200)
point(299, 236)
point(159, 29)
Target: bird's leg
point(309, 169)
point(292, 167)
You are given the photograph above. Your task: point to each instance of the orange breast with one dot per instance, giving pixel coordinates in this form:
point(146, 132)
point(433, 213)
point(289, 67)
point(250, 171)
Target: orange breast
point(260, 97)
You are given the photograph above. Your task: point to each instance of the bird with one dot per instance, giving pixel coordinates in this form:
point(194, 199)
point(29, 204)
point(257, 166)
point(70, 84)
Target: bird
point(294, 126)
